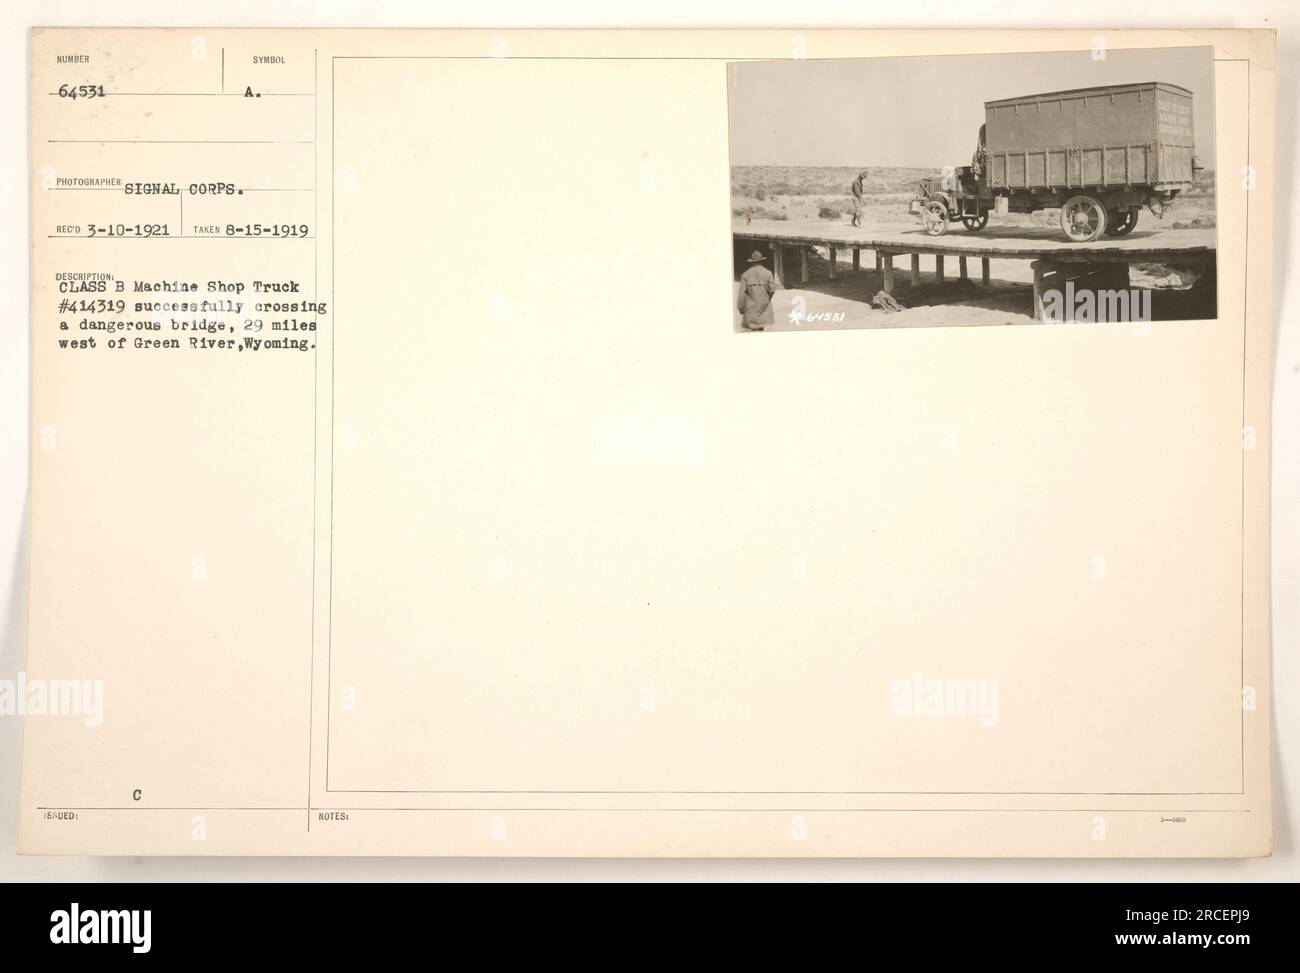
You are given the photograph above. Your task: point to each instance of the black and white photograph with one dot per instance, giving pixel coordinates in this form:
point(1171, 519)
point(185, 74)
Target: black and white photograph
point(1071, 187)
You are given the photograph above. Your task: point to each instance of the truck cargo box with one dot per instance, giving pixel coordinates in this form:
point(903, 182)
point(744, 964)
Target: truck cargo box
point(1116, 136)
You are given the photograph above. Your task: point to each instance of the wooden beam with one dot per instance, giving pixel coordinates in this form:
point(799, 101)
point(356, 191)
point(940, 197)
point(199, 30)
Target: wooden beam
point(857, 259)
point(888, 286)
point(778, 264)
point(877, 253)
point(961, 267)
point(803, 265)
point(916, 270)
point(1037, 266)
point(984, 270)
point(938, 268)
point(833, 259)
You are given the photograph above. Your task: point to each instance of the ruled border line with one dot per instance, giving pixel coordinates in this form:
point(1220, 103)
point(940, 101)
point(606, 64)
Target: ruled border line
point(333, 433)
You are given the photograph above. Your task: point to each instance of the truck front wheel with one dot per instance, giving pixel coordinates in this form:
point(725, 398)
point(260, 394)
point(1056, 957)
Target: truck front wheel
point(1083, 219)
point(934, 217)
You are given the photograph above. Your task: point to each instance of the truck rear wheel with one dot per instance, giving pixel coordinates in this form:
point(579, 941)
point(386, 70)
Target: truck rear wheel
point(975, 223)
point(1120, 221)
point(1083, 219)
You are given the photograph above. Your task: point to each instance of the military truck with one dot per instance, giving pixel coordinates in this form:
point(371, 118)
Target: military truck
point(1100, 154)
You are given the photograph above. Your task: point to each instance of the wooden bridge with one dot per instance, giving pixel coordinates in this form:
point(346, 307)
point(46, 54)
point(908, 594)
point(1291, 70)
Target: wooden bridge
point(1053, 258)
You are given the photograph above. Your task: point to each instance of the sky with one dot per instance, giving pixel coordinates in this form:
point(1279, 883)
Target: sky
point(924, 111)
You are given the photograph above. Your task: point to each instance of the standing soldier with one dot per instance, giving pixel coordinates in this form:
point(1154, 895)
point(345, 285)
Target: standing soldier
point(858, 187)
point(757, 285)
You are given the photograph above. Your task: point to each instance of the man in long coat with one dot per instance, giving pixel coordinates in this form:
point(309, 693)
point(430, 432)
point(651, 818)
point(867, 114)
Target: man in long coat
point(757, 285)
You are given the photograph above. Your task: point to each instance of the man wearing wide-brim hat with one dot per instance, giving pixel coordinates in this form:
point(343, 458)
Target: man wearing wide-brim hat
point(757, 285)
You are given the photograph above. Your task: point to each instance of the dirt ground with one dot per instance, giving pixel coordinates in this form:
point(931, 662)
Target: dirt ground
point(1008, 299)
point(810, 192)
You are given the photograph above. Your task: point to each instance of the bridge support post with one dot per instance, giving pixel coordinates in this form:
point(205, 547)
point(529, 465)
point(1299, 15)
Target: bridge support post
point(778, 264)
point(916, 270)
point(834, 255)
point(1042, 270)
point(961, 267)
point(888, 286)
point(803, 265)
point(938, 268)
point(984, 270)
point(857, 259)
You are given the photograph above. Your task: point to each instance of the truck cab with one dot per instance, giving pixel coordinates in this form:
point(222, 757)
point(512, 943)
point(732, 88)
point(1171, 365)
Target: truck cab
point(960, 193)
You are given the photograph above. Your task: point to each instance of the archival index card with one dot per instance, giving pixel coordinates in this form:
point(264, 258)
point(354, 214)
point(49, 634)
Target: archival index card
point(576, 443)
